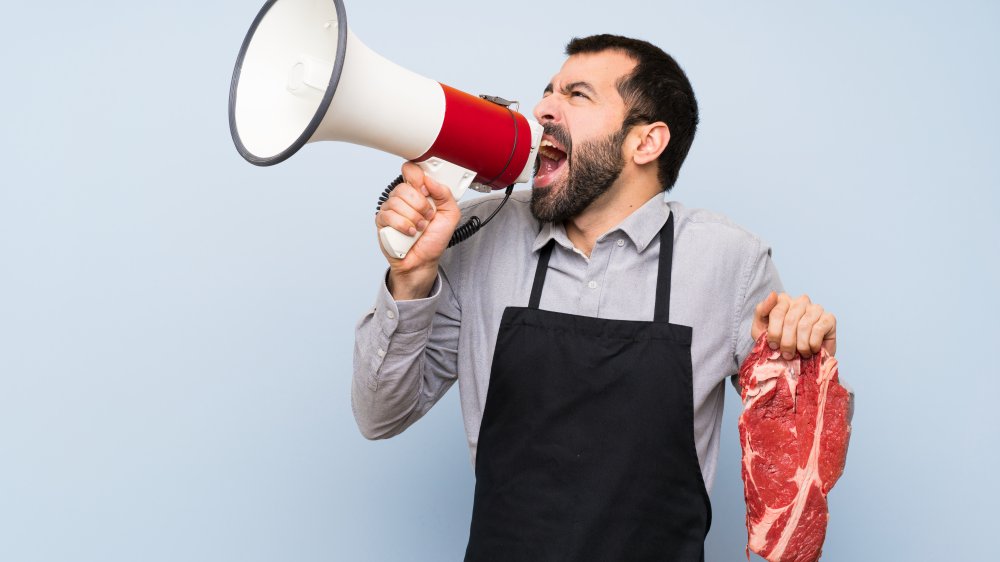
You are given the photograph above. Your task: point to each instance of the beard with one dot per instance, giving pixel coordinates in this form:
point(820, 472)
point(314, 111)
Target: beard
point(593, 169)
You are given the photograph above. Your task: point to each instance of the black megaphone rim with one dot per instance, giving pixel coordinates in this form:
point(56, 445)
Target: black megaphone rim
point(307, 133)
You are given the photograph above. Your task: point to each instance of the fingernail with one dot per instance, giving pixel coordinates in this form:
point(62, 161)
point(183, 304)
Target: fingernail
point(423, 189)
point(421, 225)
point(787, 356)
point(411, 231)
point(772, 345)
point(429, 214)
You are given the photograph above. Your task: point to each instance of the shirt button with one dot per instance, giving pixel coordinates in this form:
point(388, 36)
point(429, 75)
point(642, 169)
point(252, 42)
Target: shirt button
point(621, 243)
point(381, 352)
point(390, 314)
point(592, 284)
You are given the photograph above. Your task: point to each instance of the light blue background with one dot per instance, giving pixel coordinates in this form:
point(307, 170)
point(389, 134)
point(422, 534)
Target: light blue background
point(176, 325)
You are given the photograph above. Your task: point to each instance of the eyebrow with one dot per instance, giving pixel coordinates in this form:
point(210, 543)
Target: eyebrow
point(572, 86)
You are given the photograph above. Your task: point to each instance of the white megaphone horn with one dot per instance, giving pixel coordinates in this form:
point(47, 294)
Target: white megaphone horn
point(302, 77)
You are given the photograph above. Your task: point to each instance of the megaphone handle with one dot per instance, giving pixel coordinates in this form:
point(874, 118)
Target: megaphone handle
point(455, 177)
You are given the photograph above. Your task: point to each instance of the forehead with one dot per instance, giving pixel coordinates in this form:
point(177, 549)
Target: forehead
point(602, 69)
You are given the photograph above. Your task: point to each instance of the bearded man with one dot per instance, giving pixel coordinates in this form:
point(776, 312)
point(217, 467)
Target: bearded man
point(591, 327)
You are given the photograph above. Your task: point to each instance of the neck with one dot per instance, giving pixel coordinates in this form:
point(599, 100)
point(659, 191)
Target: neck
point(629, 192)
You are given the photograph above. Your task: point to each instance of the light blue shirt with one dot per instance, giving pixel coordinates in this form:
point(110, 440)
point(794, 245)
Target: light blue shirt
point(409, 353)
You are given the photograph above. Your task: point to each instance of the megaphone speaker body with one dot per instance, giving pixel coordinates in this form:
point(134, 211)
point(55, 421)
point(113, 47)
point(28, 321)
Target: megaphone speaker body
point(302, 76)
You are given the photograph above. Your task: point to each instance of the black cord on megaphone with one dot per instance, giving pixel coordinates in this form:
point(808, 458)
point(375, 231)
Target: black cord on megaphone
point(463, 232)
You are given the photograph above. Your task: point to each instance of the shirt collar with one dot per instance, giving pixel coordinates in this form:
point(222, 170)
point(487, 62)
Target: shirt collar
point(641, 226)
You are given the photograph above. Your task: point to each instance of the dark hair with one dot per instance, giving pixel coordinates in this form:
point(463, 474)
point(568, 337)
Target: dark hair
point(656, 90)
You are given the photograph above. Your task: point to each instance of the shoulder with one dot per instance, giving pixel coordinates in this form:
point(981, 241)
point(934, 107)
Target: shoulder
point(516, 213)
point(511, 231)
point(519, 199)
point(714, 231)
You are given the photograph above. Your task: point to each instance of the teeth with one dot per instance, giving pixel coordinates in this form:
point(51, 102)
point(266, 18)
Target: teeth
point(551, 150)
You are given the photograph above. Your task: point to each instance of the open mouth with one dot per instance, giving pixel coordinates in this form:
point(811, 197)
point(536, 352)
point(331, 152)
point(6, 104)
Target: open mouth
point(551, 161)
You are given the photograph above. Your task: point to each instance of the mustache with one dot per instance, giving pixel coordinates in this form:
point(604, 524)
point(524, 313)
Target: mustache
point(561, 135)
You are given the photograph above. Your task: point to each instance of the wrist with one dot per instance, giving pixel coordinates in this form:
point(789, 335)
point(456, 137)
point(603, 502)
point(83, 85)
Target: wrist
point(412, 284)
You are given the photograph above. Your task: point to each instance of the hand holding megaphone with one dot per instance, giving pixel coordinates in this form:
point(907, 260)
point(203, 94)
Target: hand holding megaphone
point(420, 208)
point(396, 242)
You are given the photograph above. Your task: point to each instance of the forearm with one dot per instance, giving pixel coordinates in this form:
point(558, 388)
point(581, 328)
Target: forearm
point(403, 362)
point(386, 389)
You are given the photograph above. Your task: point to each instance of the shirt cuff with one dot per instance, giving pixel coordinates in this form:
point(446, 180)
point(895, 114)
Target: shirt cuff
point(409, 315)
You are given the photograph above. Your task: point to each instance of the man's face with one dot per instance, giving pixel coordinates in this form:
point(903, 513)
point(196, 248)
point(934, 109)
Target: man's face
point(581, 153)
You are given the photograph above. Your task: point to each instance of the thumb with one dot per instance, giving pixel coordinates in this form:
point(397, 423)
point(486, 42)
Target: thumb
point(761, 313)
point(440, 194)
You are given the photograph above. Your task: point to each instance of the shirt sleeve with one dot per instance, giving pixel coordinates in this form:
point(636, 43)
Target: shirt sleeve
point(405, 359)
point(761, 277)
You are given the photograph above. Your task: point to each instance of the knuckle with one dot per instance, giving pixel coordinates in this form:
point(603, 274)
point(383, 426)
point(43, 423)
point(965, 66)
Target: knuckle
point(404, 191)
point(409, 170)
point(393, 207)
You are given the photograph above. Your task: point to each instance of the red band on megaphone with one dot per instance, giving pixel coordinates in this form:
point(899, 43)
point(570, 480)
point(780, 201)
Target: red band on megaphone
point(482, 136)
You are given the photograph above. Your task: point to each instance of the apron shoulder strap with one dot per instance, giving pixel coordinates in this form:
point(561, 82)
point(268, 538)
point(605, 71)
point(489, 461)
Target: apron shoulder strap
point(661, 312)
point(540, 269)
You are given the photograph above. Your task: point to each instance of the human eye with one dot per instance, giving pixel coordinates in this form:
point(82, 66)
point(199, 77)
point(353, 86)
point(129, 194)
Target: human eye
point(578, 94)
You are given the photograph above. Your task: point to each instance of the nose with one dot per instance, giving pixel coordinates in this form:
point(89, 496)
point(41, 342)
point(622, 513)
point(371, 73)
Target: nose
point(547, 110)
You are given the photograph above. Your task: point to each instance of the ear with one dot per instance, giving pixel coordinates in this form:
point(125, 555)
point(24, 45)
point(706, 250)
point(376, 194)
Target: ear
point(652, 141)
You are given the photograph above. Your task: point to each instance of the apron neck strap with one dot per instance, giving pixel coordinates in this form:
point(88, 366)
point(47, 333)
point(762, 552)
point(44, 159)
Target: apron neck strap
point(661, 311)
point(540, 269)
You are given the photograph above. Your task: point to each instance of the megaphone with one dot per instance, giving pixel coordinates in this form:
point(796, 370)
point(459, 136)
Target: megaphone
point(302, 77)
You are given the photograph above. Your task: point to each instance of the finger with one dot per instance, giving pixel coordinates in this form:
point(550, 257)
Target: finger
point(397, 214)
point(415, 199)
point(791, 323)
point(775, 320)
point(397, 222)
point(824, 334)
point(760, 315)
point(803, 335)
point(401, 204)
point(414, 175)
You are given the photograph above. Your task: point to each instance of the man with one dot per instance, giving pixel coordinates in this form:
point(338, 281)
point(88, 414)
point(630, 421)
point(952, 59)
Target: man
point(591, 325)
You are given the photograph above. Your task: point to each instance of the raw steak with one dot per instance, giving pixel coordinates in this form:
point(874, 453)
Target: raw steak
point(794, 431)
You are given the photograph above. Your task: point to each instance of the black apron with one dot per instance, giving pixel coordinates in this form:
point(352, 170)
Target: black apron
point(586, 448)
